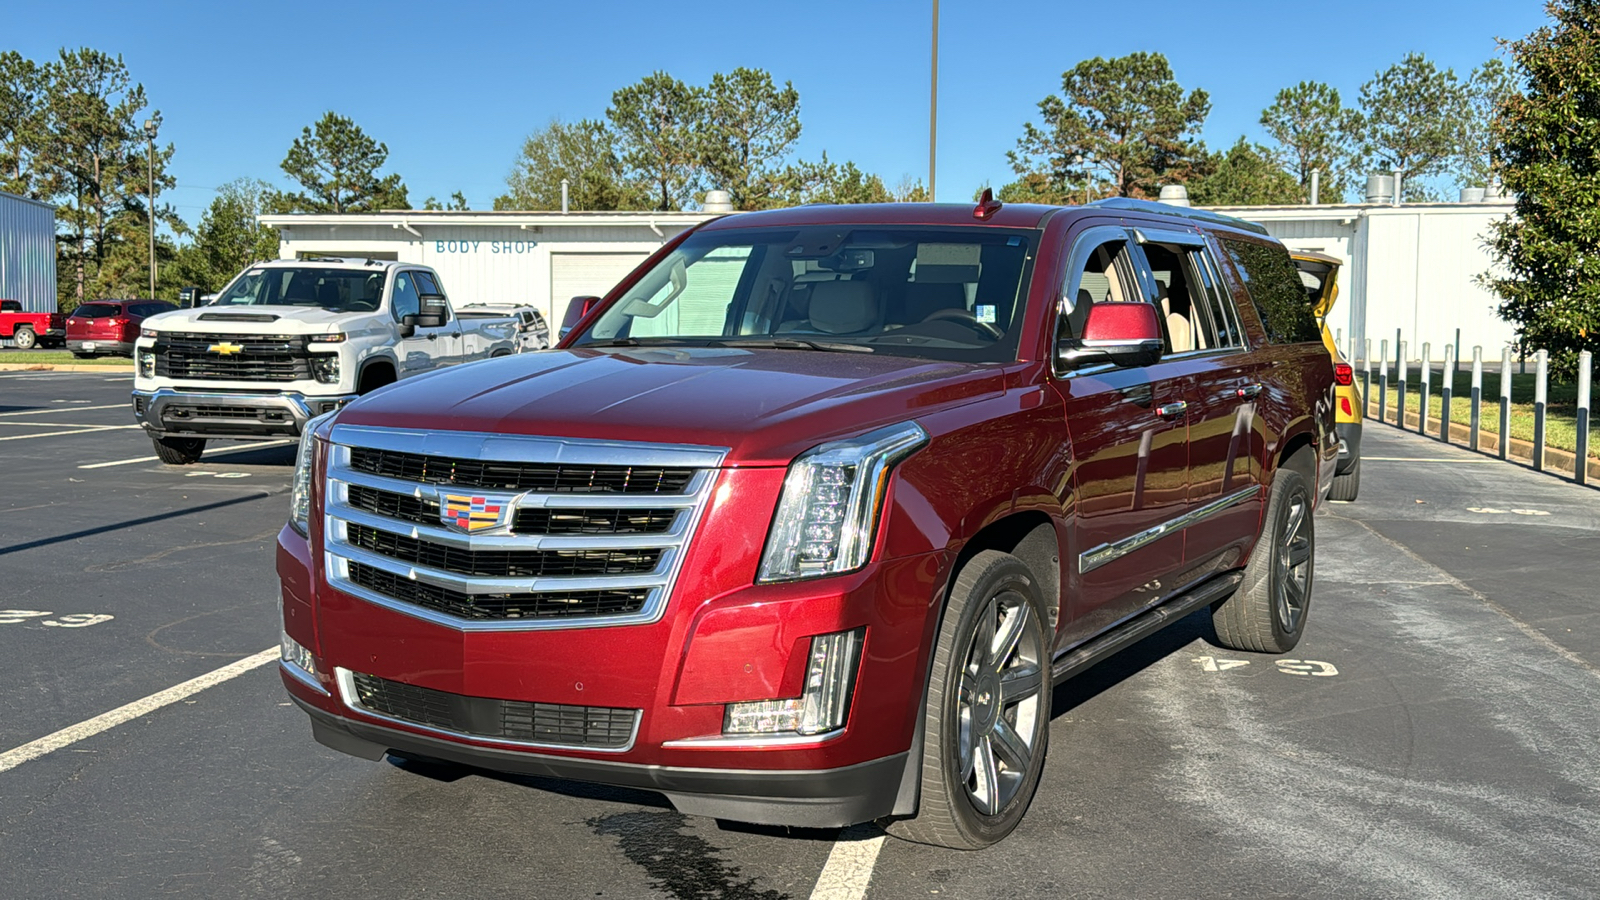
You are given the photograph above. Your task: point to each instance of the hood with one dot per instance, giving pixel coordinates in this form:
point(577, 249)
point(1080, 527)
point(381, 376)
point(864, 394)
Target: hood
point(765, 405)
point(256, 320)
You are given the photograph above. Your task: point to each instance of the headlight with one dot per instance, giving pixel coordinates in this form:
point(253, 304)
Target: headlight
point(305, 464)
point(334, 338)
point(325, 367)
point(827, 518)
point(147, 364)
point(149, 333)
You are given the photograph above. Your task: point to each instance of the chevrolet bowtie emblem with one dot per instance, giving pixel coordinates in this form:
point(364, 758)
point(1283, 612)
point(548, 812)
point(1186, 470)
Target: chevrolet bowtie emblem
point(225, 348)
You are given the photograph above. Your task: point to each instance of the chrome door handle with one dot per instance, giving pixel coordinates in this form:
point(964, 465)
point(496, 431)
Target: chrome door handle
point(1248, 391)
point(1172, 409)
point(433, 336)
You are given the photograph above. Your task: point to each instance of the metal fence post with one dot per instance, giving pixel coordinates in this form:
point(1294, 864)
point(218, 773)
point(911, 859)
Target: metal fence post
point(1400, 385)
point(1541, 393)
point(1477, 397)
point(1427, 387)
point(1447, 388)
point(1580, 469)
point(1366, 375)
point(1383, 380)
point(1505, 401)
point(1455, 368)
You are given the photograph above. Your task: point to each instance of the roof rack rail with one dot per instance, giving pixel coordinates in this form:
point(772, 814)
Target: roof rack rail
point(1167, 209)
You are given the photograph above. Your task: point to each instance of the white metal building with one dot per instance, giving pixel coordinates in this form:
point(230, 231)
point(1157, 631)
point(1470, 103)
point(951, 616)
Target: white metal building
point(539, 258)
point(1412, 267)
point(28, 252)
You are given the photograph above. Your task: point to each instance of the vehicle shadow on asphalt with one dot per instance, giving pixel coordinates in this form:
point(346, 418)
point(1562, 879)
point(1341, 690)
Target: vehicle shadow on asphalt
point(1086, 686)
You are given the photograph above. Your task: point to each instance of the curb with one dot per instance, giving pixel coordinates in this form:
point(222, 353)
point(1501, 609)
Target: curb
point(62, 367)
point(1556, 461)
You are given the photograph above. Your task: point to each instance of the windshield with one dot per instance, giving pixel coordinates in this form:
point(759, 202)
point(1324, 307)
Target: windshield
point(342, 290)
point(941, 293)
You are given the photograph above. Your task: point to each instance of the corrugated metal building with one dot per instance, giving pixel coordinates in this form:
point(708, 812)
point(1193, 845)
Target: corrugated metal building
point(1412, 267)
point(542, 259)
point(28, 252)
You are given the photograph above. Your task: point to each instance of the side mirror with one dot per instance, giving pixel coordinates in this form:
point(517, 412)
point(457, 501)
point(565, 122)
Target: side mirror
point(1122, 334)
point(435, 311)
point(408, 325)
point(577, 309)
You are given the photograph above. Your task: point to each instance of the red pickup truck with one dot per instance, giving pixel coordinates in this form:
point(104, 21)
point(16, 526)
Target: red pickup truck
point(29, 329)
point(802, 522)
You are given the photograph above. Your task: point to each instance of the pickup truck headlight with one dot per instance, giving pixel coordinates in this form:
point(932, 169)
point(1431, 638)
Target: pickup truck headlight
point(325, 367)
point(828, 515)
point(305, 463)
point(147, 364)
point(334, 338)
point(149, 332)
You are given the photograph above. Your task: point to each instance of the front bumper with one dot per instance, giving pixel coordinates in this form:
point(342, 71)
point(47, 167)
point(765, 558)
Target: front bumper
point(825, 798)
point(1349, 445)
point(165, 411)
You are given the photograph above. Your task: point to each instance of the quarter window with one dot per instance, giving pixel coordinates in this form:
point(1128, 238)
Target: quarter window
point(1275, 289)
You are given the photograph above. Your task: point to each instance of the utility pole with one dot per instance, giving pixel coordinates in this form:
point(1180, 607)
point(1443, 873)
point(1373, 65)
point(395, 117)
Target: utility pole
point(150, 126)
point(933, 106)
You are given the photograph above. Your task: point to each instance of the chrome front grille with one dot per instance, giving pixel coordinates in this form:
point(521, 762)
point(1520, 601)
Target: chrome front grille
point(502, 532)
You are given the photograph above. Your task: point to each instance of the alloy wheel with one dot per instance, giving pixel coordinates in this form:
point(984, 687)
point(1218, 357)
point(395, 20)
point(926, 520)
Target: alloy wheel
point(999, 702)
point(1294, 564)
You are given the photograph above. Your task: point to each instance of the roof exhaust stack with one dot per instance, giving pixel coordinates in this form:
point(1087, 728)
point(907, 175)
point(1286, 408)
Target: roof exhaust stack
point(563, 195)
point(1473, 194)
point(1380, 188)
point(1174, 195)
point(718, 202)
point(1316, 186)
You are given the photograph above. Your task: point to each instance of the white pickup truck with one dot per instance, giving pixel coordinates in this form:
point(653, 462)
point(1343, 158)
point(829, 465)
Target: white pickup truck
point(290, 339)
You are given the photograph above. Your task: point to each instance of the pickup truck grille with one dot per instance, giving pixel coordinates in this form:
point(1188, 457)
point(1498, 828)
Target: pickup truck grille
point(503, 532)
point(259, 357)
point(553, 724)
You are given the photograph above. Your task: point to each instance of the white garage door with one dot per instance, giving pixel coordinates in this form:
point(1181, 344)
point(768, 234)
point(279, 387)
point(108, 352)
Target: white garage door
point(581, 274)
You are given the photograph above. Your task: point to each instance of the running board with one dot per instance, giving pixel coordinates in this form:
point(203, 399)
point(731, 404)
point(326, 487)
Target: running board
point(1137, 629)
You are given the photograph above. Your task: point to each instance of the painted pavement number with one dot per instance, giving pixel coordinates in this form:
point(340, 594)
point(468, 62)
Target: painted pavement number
point(1311, 667)
point(70, 620)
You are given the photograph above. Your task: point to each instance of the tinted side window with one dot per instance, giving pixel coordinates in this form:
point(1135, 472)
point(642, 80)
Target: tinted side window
point(1222, 324)
point(1274, 286)
point(406, 302)
point(426, 284)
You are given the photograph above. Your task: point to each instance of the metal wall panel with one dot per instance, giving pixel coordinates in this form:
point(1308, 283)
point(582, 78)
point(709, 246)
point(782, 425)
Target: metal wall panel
point(28, 253)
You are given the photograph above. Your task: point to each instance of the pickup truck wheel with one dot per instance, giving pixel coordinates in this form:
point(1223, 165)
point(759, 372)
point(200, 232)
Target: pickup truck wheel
point(987, 721)
point(179, 451)
point(1347, 486)
point(24, 338)
point(1268, 612)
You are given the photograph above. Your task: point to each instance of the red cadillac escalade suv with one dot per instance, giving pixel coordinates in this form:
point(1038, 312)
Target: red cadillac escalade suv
point(801, 524)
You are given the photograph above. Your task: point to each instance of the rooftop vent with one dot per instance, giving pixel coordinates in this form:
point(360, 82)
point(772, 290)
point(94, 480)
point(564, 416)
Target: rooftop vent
point(1174, 195)
point(1472, 194)
point(718, 202)
point(1380, 188)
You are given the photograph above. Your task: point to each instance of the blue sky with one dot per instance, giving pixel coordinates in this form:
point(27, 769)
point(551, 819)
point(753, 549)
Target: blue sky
point(452, 88)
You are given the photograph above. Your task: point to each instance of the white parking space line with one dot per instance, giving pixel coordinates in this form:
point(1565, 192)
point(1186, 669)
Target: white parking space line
point(1433, 459)
point(210, 453)
point(62, 425)
point(24, 437)
point(64, 409)
point(66, 737)
point(848, 871)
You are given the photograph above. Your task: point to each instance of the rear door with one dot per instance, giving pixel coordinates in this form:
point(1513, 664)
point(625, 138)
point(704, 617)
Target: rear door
point(1129, 435)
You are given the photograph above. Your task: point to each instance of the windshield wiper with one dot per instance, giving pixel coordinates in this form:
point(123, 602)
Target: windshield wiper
point(797, 344)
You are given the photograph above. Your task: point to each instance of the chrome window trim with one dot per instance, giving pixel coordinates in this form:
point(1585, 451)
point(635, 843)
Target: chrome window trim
point(1110, 552)
point(339, 553)
point(347, 695)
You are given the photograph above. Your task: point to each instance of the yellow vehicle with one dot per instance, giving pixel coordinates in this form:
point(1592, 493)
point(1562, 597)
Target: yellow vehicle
point(1319, 273)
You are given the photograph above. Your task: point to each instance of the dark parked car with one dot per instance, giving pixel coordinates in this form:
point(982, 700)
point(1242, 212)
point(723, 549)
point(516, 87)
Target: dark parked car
point(109, 326)
point(802, 521)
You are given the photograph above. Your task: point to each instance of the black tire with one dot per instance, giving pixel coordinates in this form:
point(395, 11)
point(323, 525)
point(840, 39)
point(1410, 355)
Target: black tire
point(1347, 485)
point(82, 355)
point(1268, 612)
point(24, 338)
point(964, 804)
point(179, 451)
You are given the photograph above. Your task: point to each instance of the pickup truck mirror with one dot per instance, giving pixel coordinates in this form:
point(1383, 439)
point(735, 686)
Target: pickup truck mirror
point(1122, 334)
point(434, 313)
point(577, 308)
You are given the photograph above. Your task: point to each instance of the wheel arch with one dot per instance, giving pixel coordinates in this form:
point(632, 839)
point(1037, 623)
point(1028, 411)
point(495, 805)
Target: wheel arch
point(372, 368)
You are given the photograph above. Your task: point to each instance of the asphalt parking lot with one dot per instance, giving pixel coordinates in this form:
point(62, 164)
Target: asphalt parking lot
point(1433, 736)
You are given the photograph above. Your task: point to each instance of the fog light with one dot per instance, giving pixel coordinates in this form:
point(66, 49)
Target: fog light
point(147, 364)
point(823, 704)
point(290, 651)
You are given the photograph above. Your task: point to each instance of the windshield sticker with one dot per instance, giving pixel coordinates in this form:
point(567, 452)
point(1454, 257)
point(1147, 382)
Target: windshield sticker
point(985, 313)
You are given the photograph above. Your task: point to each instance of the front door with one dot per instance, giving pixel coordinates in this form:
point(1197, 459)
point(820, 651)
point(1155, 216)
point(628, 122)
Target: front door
point(1129, 431)
point(427, 348)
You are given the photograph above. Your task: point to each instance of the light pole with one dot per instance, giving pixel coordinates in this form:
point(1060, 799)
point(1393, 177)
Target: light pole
point(933, 106)
point(150, 126)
